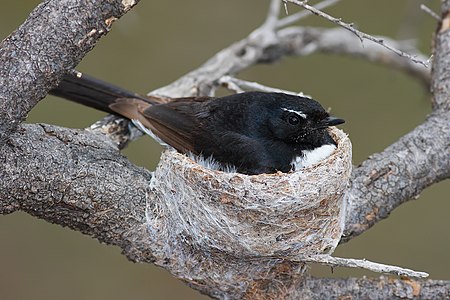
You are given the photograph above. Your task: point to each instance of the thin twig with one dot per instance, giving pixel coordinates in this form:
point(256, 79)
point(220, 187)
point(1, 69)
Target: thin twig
point(361, 35)
point(239, 86)
point(229, 83)
point(272, 15)
point(362, 263)
point(302, 14)
point(266, 31)
point(429, 11)
point(285, 8)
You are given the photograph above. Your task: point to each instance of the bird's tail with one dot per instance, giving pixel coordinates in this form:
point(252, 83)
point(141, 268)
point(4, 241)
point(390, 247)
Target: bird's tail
point(92, 92)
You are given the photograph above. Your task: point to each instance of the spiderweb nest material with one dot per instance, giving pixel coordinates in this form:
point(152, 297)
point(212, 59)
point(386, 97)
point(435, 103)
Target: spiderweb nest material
point(298, 213)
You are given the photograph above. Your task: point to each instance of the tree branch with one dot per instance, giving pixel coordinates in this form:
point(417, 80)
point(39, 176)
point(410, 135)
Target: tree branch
point(263, 46)
point(375, 288)
point(359, 34)
point(415, 161)
point(440, 83)
point(304, 41)
point(398, 174)
point(362, 263)
point(78, 179)
point(53, 40)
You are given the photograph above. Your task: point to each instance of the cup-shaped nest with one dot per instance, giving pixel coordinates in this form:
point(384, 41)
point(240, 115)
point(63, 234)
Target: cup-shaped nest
point(297, 213)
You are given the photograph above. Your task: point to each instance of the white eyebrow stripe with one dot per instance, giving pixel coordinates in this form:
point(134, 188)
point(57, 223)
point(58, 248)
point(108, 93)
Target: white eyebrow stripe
point(299, 113)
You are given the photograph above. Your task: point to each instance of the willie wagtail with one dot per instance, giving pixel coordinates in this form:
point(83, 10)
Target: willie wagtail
point(251, 132)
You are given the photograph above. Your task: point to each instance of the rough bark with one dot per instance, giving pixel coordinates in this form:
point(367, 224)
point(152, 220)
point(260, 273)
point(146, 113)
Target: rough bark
point(53, 39)
point(399, 173)
point(84, 184)
point(375, 288)
point(441, 66)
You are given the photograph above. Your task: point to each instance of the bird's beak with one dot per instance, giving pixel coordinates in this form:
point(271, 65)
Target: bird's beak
point(333, 121)
point(330, 121)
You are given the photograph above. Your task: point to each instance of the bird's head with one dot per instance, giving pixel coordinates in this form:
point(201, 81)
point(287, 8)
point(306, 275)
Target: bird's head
point(301, 121)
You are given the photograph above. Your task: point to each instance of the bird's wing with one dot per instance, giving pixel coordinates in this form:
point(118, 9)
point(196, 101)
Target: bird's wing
point(177, 122)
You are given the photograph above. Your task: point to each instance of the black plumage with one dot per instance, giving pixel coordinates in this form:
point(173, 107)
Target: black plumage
point(255, 132)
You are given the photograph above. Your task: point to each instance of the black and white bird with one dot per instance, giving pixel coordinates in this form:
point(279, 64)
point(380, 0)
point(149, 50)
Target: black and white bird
point(251, 132)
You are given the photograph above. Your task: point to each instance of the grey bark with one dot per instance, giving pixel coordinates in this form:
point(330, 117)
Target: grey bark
point(77, 179)
point(399, 173)
point(78, 185)
point(386, 288)
point(53, 39)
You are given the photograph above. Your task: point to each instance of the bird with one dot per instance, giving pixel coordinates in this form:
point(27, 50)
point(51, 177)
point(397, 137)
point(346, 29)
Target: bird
point(250, 133)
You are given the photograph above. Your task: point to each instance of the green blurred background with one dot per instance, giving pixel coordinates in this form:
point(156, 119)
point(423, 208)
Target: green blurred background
point(157, 42)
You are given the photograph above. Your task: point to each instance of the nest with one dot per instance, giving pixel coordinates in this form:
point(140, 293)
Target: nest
point(298, 213)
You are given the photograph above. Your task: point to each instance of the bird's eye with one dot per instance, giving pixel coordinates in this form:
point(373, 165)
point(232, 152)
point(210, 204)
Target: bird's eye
point(293, 119)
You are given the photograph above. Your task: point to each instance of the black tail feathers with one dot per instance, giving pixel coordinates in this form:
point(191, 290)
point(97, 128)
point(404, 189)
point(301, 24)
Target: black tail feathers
point(92, 92)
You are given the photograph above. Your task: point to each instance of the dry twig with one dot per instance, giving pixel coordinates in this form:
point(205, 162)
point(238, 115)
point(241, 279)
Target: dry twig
point(364, 264)
point(361, 35)
point(302, 14)
point(239, 86)
point(429, 11)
